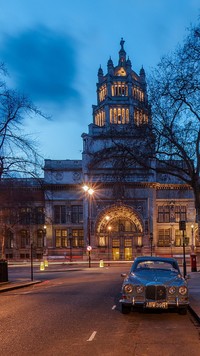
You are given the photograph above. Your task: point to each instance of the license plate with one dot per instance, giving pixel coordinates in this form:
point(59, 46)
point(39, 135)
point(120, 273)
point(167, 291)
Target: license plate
point(162, 305)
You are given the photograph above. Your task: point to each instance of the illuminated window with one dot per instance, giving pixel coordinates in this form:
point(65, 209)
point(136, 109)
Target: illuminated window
point(138, 94)
point(163, 213)
point(102, 241)
point(102, 93)
point(127, 116)
point(179, 239)
point(61, 237)
point(119, 89)
point(119, 116)
point(115, 243)
point(140, 117)
point(100, 118)
point(77, 238)
point(128, 242)
point(180, 213)
point(121, 72)
point(164, 238)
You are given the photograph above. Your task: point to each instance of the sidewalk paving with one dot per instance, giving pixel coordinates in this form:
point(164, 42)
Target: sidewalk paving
point(194, 294)
point(193, 285)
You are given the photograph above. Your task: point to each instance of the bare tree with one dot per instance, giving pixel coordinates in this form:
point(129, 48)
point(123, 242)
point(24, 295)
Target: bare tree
point(174, 89)
point(18, 152)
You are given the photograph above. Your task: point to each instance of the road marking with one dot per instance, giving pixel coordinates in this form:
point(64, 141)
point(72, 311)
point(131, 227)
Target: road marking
point(92, 336)
point(114, 306)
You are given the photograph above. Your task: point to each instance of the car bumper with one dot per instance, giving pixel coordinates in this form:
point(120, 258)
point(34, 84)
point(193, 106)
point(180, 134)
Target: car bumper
point(177, 303)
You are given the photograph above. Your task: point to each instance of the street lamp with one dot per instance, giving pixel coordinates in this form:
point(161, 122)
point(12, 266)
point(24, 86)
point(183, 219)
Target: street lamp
point(89, 191)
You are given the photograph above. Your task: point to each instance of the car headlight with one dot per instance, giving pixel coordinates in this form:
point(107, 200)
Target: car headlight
point(172, 290)
point(183, 290)
point(128, 288)
point(140, 289)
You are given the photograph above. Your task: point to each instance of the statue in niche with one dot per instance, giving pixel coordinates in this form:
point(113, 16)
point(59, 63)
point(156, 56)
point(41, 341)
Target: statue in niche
point(118, 190)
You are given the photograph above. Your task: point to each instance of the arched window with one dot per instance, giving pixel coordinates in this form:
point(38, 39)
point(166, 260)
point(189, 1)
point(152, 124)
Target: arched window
point(25, 238)
point(100, 118)
point(119, 89)
point(9, 239)
point(127, 116)
point(40, 238)
point(119, 116)
point(102, 93)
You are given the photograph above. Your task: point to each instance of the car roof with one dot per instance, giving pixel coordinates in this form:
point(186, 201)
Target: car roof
point(155, 258)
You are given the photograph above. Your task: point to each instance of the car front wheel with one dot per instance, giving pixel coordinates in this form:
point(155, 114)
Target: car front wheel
point(125, 309)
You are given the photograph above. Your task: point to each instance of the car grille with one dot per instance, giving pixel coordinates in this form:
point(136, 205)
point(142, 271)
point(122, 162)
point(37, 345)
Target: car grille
point(156, 292)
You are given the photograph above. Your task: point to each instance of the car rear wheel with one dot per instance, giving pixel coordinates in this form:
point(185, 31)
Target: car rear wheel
point(125, 309)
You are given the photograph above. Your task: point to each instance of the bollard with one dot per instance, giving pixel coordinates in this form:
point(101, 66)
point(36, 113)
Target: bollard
point(46, 264)
point(42, 266)
point(101, 263)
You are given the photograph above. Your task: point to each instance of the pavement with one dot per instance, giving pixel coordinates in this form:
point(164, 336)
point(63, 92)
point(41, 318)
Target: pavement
point(194, 294)
point(193, 285)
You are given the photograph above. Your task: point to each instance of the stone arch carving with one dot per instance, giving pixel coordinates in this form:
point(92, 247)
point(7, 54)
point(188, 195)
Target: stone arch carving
point(118, 211)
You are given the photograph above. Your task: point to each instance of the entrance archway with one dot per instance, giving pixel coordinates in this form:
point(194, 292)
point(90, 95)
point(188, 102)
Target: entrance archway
point(119, 232)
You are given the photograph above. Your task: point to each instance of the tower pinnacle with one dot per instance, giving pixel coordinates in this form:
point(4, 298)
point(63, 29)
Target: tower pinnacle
point(122, 54)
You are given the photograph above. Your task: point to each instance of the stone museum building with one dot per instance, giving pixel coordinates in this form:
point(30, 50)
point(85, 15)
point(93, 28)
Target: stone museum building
point(103, 206)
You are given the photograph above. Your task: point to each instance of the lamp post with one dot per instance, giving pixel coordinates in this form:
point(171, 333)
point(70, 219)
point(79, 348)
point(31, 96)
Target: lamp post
point(31, 261)
point(44, 241)
point(70, 246)
point(182, 227)
point(193, 255)
point(151, 242)
point(89, 191)
point(192, 246)
point(109, 230)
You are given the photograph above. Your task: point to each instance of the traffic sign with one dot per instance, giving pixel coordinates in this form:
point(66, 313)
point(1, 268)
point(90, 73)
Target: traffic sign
point(89, 248)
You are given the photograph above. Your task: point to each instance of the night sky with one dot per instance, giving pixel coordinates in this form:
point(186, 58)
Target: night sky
point(53, 49)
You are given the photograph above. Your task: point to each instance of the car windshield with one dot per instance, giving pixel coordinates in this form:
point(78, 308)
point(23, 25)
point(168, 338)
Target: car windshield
point(164, 265)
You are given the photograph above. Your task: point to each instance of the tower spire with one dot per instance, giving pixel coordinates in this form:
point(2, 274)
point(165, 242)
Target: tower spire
point(122, 54)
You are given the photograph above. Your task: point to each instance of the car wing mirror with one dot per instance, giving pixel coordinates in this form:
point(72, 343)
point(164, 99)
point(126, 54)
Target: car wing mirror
point(187, 276)
point(124, 275)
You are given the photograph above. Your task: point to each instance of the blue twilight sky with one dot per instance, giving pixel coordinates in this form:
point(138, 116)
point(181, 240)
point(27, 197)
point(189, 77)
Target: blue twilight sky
point(53, 50)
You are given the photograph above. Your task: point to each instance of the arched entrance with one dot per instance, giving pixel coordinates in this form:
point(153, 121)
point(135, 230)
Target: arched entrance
point(119, 232)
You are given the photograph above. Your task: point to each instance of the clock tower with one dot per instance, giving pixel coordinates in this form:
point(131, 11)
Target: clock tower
point(123, 198)
point(120, 117)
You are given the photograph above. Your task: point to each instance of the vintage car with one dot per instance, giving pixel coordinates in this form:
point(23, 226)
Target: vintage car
point(154, 283)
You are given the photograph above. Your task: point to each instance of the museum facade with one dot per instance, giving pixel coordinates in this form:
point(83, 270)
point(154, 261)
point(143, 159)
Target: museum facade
point(106, 206)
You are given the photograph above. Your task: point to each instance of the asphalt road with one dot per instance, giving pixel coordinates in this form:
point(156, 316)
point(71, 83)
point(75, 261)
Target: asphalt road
point(77, 314)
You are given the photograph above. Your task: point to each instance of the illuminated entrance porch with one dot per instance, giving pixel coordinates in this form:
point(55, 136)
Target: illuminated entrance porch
point(119, 233)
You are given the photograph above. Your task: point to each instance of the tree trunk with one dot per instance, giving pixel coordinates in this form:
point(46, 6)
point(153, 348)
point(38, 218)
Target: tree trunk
point(197, 207)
